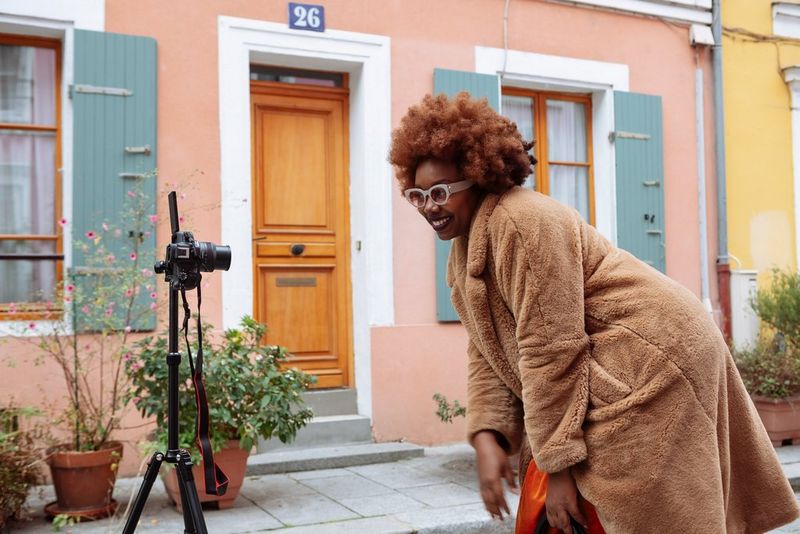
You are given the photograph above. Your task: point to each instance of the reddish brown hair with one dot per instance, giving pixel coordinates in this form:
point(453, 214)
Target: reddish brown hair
point(486, 147)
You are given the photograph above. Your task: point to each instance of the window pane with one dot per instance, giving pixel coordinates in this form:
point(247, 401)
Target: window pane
point(521, 111)
point(566, 131)
point(27, 85)
point(570, 185)
point(265, 73)
point(27, 280)
point(27, 182)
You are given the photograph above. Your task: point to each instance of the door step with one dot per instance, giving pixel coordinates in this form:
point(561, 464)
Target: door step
point(326, 431)
point(287, 461)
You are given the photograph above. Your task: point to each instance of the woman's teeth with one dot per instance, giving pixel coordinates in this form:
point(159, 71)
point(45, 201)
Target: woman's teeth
point(438, 224)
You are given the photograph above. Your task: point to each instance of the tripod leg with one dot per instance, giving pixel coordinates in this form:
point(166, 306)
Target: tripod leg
point(144, 491)
point(193, 520)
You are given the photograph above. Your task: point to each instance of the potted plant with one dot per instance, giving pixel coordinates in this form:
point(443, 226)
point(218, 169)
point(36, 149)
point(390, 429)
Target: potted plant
point(770, 368)
point(19, 460)
point(251, 394)
point(86, 334)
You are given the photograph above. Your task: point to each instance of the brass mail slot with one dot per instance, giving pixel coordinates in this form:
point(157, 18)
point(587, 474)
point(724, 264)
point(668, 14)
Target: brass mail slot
point(296, 282)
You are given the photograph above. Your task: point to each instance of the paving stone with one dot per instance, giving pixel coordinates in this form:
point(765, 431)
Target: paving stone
point(439, 495)
point(273, 487)
point(471, 518)
point(306, 509)
point(372, 525)
point(382, 504)
point(320, 473)
point(396, 475)
point(346, 487)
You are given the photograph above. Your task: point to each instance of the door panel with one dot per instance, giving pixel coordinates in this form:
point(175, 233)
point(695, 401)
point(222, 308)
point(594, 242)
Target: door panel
point(301, 234)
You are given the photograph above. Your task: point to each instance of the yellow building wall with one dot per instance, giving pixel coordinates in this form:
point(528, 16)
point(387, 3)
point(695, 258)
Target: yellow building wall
point(758, 137)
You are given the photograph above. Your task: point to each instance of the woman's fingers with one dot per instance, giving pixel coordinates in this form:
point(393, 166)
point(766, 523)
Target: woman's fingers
point(509, 476)
point(575, 511)
point(494, 498)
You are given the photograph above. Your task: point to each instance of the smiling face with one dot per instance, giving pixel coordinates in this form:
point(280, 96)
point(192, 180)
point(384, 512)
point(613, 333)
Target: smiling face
point(452, 219)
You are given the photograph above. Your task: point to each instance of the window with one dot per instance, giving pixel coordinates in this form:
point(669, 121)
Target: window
point(560, 125)
point(30, 236)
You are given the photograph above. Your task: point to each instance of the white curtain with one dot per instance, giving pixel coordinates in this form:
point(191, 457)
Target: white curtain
point(520, 110)
point(566, 141)
point(27, 170)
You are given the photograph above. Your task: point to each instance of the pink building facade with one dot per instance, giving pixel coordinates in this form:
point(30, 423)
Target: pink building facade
point(563, 70)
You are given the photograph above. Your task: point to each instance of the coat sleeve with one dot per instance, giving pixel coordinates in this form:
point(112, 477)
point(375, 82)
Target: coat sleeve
point(490, 404)
point(540, 275)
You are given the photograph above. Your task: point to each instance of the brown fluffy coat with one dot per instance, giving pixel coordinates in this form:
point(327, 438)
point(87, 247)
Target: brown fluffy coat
point(589, 358)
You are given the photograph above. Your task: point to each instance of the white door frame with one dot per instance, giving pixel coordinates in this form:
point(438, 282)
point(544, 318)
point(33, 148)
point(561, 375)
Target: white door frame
point(366, 58)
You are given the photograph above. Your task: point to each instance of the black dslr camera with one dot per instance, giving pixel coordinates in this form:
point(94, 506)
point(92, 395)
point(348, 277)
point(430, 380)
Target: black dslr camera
point(187, 257)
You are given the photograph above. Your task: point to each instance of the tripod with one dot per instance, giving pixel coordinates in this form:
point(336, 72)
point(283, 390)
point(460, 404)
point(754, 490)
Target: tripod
point(192, 512)
point(185, 258)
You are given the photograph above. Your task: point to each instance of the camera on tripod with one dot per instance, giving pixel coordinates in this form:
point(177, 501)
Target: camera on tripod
point(186, 257)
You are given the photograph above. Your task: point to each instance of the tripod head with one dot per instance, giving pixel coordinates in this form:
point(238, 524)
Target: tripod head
point(186, 257)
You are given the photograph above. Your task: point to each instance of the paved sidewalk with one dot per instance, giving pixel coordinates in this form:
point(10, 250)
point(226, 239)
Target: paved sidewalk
point(436, 493)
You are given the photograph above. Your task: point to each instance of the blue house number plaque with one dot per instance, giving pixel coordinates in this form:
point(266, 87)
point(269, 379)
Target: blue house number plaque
point(309, 17)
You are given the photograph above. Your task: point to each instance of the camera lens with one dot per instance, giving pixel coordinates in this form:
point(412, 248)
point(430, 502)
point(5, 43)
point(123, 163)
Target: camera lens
point(213, 257)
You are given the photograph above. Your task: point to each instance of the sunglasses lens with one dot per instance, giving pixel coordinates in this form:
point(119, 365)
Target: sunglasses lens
point(416, 198)
point(439, 194)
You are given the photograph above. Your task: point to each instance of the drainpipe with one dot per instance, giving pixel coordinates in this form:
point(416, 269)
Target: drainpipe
point(701, 184)
point(723, 268)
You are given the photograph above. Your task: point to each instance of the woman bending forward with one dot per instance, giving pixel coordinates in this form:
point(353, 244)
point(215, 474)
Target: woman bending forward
point(609, 375)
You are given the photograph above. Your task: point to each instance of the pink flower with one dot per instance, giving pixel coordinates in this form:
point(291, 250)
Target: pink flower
point(62, 222)
point(153, 295)
point(85, 309)
point(132, 256)
point(109, 312)
point(69, 288)
point(32, 326)
point(153, 305)
point(126, 356)
point(147, 272)
point(67, 299)
point(180, 218)
point(105, 227)
point(128, 329)
point(110, 258)
point(183, 196)
point(136, 401)
point(153, 218)
point(135, 366)
point(90, 235)
point(12, 308)
point(129, 292)
point(132, 194)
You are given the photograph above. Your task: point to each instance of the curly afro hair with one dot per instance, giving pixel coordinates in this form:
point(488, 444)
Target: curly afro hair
point(486, 147)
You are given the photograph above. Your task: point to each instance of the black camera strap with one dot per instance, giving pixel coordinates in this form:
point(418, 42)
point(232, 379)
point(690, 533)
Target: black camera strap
point(216, 480)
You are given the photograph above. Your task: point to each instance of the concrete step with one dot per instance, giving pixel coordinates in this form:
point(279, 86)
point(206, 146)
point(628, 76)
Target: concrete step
point(327, 402)
point(288, 461)
point(325, 431)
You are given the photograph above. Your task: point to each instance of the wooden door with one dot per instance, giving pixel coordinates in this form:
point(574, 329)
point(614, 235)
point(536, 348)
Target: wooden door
point(301, 226)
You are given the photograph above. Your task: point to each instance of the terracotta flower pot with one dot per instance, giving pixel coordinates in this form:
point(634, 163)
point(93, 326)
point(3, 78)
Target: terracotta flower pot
point(84, 481)
point(231, 459)
point(781, 418)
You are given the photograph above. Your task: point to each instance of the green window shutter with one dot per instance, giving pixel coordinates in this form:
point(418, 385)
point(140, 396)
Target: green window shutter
point(114, 100)
point(451, 82)
point(639, 145)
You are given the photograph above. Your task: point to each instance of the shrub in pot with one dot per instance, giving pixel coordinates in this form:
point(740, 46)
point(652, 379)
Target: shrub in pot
point(251, 394)
point(770, 368)
point(19, 461)
point(88, 323)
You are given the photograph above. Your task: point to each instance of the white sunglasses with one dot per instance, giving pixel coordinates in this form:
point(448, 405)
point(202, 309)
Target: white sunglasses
point(439, 193)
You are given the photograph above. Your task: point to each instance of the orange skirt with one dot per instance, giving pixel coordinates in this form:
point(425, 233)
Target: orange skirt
point(531, 505)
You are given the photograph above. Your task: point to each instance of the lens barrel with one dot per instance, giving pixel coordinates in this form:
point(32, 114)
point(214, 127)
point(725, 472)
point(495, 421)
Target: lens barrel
point(213, 257)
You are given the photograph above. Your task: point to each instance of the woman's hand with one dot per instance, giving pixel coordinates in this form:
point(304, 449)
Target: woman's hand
point(493, 466)
point(562, 501)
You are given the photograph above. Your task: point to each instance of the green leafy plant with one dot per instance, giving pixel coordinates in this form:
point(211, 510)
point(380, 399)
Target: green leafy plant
point(446, 411)
point(778, 305)
point(770, 369)
point(251, 394)
point(88, 325)
point(19, 460)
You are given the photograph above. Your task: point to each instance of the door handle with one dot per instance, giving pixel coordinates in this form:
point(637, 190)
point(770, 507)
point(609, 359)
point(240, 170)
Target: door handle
point(298, 249)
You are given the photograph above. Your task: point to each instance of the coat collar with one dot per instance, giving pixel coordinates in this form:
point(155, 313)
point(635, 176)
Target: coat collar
point(478, 242)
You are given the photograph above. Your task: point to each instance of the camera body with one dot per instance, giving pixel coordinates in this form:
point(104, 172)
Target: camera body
point(186, 258)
